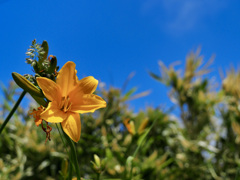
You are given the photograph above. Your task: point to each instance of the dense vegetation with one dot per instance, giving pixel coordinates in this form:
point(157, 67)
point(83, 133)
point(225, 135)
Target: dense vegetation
point(202, 141)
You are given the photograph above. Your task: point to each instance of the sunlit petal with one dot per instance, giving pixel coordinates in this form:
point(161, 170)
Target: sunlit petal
point(50, 89)
point(72, 126)
point(66, 78)
point(53, 114)
point(86, 103)
point(86, 85)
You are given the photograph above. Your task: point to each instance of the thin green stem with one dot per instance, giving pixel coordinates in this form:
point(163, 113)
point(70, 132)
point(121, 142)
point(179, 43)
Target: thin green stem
point(12, 111)
point(64, 143)
point(69, 154)
point(98, 176)
point(73, 155)
point(70, 172)
point(237, 174)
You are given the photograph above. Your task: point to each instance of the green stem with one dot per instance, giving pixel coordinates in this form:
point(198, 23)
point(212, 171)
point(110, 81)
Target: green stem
point(12, 111)
point(237, 175)
point(73, 155)
point(70, 172)
point(69, 154)
point(98, 176)
point(64, 143)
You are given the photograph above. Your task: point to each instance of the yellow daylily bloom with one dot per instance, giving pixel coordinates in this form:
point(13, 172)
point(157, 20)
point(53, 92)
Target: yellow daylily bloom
point(69, 97)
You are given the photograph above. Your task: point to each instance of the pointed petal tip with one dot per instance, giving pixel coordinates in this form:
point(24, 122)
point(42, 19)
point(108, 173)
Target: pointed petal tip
point(72, 126)
point(76, 140)
point(87, 103)
point(86, 85)
point(67, 77)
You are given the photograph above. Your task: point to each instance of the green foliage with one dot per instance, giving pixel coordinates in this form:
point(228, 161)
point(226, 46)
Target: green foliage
point(202, 141)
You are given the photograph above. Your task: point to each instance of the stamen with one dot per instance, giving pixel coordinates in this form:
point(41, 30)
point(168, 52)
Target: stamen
point(65, 104)
point(62, 103)
point(47, 131)
point(36, 115)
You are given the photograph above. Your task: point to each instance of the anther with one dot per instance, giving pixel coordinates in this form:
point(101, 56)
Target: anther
point(65, 104)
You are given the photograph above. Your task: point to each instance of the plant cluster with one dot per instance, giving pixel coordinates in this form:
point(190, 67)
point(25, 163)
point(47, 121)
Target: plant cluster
point(199, 138)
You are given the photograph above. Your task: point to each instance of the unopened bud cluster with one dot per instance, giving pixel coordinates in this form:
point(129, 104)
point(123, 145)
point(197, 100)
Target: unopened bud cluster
point(43, 66)
point(98, 165)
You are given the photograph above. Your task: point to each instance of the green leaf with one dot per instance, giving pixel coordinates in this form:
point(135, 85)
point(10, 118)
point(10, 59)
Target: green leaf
point(129, 93)
point(154, 76)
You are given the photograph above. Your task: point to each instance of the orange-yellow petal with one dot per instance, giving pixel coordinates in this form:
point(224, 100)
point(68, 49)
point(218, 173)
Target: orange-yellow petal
point(53, 114)
point(50, 89)
point(66, 78)
point(86, 85)
point(72, 126)
point(84, 103)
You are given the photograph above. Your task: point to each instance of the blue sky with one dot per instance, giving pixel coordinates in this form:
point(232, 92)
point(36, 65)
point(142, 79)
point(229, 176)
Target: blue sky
point(111, 39)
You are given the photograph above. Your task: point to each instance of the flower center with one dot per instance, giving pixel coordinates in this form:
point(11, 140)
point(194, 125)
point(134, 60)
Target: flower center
point(65, 104)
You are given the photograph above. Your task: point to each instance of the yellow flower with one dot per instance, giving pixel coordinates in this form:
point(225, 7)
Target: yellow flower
point(69, 97)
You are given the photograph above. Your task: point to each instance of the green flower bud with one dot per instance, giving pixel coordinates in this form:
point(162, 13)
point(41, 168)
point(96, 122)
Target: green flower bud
point(29, 61)
point(35, 66)
point(42, 57)
point(97, 160)
point(64, 167)
point(96, 165)
point(53, 65)
point(26, 85)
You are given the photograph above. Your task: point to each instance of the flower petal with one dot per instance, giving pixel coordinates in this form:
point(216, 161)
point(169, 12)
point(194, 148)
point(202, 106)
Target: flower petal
point(72, 126)
point(53, 114)
point(84, 103)
point(86, 85)
point(66, 78)
point(50, 89)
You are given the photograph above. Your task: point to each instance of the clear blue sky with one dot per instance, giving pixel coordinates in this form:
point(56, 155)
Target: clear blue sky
point(111, 39)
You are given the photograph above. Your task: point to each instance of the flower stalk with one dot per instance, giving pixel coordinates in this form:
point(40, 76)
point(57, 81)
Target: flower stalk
point(70, 171)
point(73, 155)
point(12, 111)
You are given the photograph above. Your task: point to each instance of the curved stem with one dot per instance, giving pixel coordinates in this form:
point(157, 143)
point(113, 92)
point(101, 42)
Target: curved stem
point(12, 111)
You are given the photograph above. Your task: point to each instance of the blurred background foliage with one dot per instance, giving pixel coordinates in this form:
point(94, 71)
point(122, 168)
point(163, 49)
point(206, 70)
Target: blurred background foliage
point(197, 138)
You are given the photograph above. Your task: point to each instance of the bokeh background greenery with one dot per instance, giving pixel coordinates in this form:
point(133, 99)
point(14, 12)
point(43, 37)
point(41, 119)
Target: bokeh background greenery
point(198, 137)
